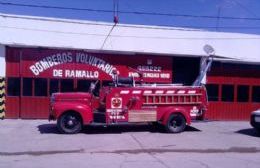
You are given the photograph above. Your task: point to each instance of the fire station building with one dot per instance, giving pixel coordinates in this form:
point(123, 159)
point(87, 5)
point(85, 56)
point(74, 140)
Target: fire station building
point(40, 56)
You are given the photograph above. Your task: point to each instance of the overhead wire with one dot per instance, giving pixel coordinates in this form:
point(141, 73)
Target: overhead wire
point(129, 12)
point(157, 27)
point(55, 7)
point(166, 27)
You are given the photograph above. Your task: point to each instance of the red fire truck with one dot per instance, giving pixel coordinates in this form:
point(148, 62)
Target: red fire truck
point(173, 106)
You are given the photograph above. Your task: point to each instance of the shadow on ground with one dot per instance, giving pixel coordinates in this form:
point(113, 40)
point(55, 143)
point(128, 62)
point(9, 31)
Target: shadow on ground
point(52, 129)
point(249, 131)
point(48, 129)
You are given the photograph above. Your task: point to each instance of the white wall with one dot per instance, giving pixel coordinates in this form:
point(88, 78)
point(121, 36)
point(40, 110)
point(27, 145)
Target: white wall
point(2, 61)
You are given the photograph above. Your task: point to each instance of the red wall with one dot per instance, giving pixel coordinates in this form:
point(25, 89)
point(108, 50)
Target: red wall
point(24, 63)
point(57, 64)
point(235, 76)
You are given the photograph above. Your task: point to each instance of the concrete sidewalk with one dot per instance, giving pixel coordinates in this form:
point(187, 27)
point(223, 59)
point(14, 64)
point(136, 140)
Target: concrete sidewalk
point(37, 143)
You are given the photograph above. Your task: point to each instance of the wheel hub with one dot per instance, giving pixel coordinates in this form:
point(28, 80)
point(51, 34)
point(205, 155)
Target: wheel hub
point(70, 123)
point(174, 124)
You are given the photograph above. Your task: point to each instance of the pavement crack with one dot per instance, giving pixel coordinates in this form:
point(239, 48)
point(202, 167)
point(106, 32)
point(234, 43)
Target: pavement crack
point(201, 163)
point(166, 146)
point(206, 151)
point(137, 141)
point(148, 152)
point(40, 153)
point(159, 160)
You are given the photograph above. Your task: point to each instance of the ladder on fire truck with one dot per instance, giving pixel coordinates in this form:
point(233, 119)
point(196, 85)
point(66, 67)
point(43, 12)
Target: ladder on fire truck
point(187, 96)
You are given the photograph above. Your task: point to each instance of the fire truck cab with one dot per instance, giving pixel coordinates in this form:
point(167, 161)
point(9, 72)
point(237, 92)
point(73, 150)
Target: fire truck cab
point(173, 106)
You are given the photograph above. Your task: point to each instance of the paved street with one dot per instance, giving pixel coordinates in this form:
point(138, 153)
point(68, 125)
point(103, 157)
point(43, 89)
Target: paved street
point(37, 143)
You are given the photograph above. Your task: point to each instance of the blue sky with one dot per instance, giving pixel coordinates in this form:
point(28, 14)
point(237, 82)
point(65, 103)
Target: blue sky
point(222, 8)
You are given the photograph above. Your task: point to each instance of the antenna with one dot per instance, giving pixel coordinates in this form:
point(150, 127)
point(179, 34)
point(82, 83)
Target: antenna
point(209, 49)
point(205, 65)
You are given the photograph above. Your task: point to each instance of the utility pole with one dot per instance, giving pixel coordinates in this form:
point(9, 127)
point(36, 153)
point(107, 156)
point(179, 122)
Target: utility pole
point(218, 17)
point(116, 19)
point(116, 8)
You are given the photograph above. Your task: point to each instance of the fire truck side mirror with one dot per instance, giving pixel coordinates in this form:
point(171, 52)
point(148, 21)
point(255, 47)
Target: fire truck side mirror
point(93, 86)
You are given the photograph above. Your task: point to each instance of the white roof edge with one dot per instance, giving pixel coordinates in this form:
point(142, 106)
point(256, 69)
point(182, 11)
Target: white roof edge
point(20, 30)
point(99, 51)
point(79, 21)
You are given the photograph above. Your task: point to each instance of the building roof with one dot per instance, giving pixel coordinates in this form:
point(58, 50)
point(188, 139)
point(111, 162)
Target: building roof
point(18, 30)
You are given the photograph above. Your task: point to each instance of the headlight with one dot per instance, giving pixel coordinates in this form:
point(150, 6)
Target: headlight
point(257, 118)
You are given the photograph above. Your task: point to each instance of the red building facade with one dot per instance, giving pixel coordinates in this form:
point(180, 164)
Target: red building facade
point(234, 91)
point(33, 74)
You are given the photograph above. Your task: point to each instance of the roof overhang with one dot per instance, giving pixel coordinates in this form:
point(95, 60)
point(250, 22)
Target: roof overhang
point(28, 31)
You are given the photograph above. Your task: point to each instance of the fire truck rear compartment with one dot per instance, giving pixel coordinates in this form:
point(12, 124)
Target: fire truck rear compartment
point(142, 116)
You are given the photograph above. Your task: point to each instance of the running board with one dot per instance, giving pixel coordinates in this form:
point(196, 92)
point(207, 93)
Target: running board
point(99, 117)
point(117, 124)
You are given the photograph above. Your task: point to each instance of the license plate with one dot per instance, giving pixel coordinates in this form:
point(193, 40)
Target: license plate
point(257, 118)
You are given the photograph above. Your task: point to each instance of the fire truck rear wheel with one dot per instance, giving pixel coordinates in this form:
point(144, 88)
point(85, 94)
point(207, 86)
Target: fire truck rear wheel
point(176, 123)
point(69, 123)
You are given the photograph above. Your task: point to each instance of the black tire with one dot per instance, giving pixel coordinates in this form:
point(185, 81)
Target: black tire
point(69, 123)
point(176, 123)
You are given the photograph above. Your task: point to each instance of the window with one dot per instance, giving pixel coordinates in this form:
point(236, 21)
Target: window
point(67, 85)
point(27, 86)
point(186, 70)
point(40, 87)
point(242, 93)
point(256, 94)
point(227, 93)
point(108, 83)
point(83, 85)
point(13, 86)
point(54, 86)
point(212, 91)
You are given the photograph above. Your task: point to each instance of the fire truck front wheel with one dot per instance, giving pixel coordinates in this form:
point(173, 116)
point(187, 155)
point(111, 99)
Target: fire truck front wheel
point(69, 123)
point(176, 123)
